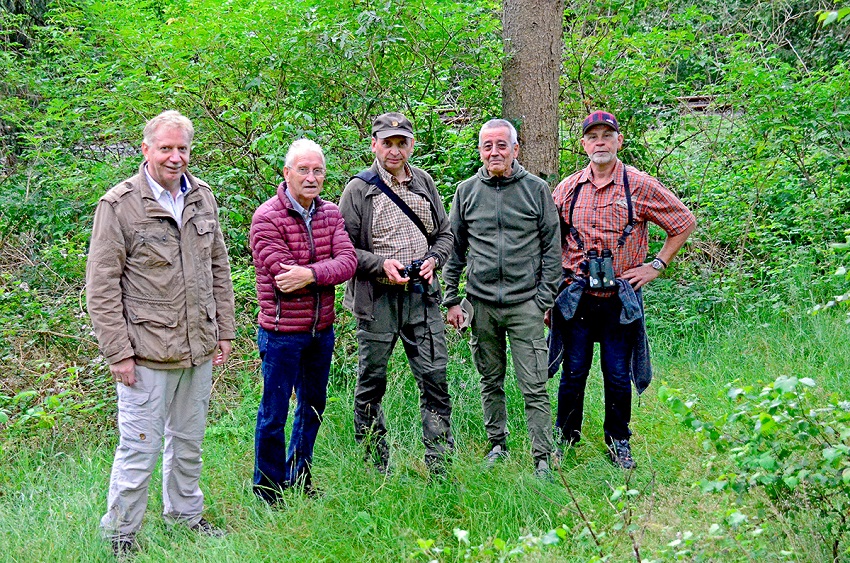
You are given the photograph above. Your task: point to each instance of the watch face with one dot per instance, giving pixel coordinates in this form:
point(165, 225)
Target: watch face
point(657, 264)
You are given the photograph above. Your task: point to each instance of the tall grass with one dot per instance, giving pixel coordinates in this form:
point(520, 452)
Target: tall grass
point(53, 487)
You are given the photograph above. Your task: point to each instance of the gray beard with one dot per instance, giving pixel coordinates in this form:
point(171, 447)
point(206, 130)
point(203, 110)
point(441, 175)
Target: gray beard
point(603, 158)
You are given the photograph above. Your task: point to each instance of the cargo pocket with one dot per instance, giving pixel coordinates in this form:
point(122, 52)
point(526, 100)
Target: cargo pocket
point(151, 331)
point(541, 356)
point(135, 420)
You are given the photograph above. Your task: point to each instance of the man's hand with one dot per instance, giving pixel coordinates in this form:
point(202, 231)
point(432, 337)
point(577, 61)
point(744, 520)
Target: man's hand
point(427, 269)
point(293, 278)
point(641, 275)
point(547, 318)
point(124, 371)
point(392, 269)
point(454, 316)
point(224, 347)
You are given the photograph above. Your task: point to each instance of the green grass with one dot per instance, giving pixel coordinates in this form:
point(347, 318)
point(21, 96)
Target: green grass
point(53, 485)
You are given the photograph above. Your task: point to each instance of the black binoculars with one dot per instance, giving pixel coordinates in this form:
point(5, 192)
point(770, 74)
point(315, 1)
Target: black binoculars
point(600, 270)
point(417, 283)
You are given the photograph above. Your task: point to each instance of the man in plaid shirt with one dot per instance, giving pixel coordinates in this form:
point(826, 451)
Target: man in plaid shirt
point(606, 207)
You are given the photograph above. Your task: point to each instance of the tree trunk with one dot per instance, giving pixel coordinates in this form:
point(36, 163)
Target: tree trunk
point(532, 31)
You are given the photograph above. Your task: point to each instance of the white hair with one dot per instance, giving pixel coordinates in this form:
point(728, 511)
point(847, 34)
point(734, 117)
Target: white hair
point(499, 124)
point(302, 146)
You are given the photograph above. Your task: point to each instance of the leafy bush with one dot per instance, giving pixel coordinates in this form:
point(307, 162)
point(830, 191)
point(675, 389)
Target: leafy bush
point(785, 440)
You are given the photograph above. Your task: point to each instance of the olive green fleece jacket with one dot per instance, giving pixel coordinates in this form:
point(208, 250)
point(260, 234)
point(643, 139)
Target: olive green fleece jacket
point(507, 236)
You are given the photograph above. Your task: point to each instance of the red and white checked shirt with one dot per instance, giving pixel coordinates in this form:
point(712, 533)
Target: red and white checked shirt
point(601, 214)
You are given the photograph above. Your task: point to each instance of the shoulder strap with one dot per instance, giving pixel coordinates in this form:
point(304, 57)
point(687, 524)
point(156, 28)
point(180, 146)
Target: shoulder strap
point(371, 177)
point(630, 226)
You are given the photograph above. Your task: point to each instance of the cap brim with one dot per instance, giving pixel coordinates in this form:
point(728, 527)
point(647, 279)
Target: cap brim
point(595, 123)
point(393, 133)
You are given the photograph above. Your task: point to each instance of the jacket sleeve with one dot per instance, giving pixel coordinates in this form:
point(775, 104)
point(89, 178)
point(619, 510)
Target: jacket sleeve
point(225, 309)
point(457, 258)
point(268, 244)
point(442, 235)
point(343, 262)
point(104, 268)
point(369, 265)
point(550, 250)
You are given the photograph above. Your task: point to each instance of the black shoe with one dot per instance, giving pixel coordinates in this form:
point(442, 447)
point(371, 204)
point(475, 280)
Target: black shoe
point(620, 453)
point(205, 528)
point(437, 465)
point(378, 453)
point(124, 546)
point(312, 492)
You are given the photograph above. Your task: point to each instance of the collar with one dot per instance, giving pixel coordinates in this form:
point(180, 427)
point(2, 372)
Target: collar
point(297, 206)
point(617, 178)
point(157, 189)
point(385, 174)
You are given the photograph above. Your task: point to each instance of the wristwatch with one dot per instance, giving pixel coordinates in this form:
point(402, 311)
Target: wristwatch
point(658, 264)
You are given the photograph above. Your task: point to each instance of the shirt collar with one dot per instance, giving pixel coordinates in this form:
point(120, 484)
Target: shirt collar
point(385, 175)
point(298, 207)
point(157, 189)
point(587, 174)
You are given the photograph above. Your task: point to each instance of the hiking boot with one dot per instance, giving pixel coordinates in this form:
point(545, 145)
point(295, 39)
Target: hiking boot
point(496, 453)
point(124, 546)
point(205, 528)
point(542, 471)
point(620, 453)
point(378, 453)
point(437, 465)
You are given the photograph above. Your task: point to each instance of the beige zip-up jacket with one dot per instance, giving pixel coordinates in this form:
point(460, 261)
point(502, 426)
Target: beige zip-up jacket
point(155, 292)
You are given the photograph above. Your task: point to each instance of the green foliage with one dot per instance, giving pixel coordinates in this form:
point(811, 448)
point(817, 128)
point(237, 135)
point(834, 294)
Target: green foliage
point(784, 440)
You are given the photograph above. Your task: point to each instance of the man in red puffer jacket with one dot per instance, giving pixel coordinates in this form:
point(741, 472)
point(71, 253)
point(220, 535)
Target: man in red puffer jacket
point(301, 251)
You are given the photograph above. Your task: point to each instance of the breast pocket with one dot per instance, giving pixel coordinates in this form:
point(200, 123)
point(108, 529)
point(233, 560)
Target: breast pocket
point(614, 215)
point(205, 230)
point(155, 245)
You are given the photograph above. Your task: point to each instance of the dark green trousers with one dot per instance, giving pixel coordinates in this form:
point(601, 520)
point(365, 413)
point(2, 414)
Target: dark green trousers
point(418, 322)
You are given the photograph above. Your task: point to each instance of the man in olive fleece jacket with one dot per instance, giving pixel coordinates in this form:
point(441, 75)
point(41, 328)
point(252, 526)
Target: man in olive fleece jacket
point(506, 235)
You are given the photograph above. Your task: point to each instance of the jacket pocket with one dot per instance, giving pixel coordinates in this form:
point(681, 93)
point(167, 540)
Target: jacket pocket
point(152, 331)
point(155, 245)
point(205, 229)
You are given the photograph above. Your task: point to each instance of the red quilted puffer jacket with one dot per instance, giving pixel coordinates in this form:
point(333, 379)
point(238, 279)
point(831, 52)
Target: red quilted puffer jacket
point(279, 235)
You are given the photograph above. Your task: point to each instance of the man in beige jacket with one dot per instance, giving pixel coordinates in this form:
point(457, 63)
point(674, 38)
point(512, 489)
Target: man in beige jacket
point(161, 302)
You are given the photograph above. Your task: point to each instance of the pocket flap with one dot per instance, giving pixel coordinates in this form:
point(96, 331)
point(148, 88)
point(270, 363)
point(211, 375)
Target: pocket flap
point(205, 226)
point(163, 317)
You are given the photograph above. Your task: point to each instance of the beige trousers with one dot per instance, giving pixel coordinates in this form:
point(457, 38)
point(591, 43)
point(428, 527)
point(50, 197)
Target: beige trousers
point(170, 404)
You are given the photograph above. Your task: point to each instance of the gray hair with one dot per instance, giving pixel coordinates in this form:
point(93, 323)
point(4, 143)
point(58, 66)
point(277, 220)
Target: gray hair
point(302, 146)
point(499, 124)
point(169, 118)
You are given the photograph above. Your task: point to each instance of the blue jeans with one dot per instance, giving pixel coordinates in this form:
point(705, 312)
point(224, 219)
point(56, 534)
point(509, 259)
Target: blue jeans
point(597, 319)
point(299, 361)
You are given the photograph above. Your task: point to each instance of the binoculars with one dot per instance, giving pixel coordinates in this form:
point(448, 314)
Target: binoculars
point(416, 284)
point(600, 270)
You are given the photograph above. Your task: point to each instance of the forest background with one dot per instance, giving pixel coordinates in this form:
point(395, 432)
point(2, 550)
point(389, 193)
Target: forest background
point(742, 107)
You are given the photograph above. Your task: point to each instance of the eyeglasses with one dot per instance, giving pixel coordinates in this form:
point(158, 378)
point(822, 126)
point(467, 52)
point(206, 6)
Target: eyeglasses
point(304, 171)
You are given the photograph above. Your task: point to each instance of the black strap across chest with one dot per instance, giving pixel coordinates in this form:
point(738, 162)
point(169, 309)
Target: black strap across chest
point(373, 178)
point(630, 226)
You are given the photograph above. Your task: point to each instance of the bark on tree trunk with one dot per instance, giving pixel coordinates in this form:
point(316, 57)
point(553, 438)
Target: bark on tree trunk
point(532, 31)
